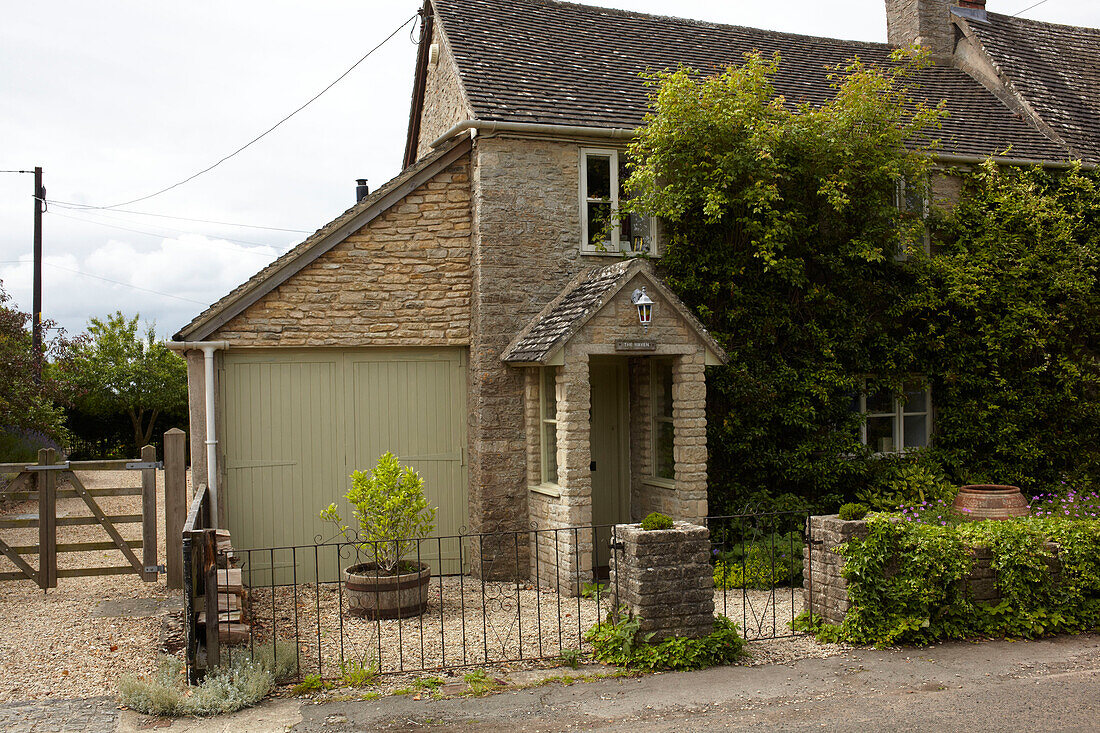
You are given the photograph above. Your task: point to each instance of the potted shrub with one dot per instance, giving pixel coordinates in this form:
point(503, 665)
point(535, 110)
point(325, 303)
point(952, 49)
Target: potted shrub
point(393, 513)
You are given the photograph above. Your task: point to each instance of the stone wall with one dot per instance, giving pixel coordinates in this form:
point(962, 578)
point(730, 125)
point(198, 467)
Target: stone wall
point(404, 279)
point(827, 591)
point(664, 578)
point(526, 249)
point(445, 103)
point(824, 591)
point(926, 20)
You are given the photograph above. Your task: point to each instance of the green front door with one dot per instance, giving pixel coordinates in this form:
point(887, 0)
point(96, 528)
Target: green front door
point(610, 450)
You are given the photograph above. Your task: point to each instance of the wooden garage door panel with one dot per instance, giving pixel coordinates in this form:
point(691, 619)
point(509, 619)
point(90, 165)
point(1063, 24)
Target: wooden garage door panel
point(298, 422)
point(416, 409)
point(282, 447)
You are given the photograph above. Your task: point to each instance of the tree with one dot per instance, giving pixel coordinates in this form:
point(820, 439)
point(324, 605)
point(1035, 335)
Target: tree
point(785, 227)
point(783, 231)
point(27, 403)
point(119, 371)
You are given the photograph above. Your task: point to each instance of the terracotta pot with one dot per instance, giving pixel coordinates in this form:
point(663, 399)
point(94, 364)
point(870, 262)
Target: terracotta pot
point(375, 595)
point(990, 501)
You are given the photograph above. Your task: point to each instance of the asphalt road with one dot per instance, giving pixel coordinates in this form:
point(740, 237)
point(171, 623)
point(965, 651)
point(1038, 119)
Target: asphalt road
point(1047, 685)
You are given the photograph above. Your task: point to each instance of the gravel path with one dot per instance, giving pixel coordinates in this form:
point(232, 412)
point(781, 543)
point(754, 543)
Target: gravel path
point(70, 642)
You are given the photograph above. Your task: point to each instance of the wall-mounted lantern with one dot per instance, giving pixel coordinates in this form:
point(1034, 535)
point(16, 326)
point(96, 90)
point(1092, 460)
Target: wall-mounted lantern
point(645, 307)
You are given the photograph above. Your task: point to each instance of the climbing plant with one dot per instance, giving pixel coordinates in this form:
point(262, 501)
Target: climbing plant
point(785, 224)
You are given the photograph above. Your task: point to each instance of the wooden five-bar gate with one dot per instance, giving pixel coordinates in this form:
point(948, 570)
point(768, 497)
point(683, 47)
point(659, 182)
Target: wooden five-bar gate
point(41, 482)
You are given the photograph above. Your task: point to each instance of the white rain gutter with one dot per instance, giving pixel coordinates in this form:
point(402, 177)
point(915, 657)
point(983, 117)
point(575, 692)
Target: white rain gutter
point(208, 348)
point(1022, 162)
point(480, 126)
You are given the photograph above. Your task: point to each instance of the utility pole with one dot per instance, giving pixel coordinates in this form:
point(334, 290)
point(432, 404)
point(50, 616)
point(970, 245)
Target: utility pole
point(36, 308)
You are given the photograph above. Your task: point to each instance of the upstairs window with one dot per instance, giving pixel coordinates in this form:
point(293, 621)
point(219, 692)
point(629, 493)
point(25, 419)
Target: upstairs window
point(895, 423)
point(911, 200)
point(603, 229)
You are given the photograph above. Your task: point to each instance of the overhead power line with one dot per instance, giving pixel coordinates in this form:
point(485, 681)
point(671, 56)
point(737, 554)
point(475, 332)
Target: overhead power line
point(1030, 7)
point(109, 280)
point(78, 207)
point(266, 132)
point(161, 235)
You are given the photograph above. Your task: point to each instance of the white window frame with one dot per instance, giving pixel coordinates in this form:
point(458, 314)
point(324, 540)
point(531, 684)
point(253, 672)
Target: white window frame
point(544, 420)
point(902, 205)
point(609, 249)
point(899, 413)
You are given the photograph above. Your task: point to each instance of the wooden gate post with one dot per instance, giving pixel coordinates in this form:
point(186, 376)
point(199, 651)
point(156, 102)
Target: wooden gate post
point(47, 521)
point(175, 503)
point(149, 515)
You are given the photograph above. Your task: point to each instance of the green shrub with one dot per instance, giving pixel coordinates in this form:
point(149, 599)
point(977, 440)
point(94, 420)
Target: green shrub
point(656, 520)
point(850, 512)
point(479, 683)
point(772, 561)
point(391, 509)
point(905, 580)
point(593, 590)
point(910, 484)
point(309, 684)
point(620, 643)
point(243, 682)
point(357, 673)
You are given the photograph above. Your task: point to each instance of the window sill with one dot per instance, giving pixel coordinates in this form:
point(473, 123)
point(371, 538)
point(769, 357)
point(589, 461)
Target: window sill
point(551, 490)
point(660, 483)
point(611, 253)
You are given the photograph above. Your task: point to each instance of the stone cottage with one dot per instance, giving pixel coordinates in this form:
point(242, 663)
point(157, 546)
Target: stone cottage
point(480, 316)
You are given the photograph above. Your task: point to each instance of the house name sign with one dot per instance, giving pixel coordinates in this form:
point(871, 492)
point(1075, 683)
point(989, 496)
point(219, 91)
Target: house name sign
point(636, 345)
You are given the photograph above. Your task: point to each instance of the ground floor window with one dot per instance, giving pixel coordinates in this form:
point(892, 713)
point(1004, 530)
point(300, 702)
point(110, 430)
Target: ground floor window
point(548, 423)
point(660, 402)
point(896, 422)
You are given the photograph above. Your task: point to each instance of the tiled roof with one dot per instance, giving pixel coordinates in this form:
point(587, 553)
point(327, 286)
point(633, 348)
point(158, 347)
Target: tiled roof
point(552, 62)
point(584, 296)
point(1055, 68)
point(324, 238)
point(581, 299)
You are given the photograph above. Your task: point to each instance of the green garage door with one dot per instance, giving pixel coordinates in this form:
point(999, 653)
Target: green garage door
point(296, 423)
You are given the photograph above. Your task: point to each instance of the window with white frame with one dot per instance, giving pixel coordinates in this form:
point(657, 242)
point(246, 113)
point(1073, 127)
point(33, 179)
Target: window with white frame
point(894, 423)
point(548, 424)
point(603, 229)
point(912, 202)
point(660, 406)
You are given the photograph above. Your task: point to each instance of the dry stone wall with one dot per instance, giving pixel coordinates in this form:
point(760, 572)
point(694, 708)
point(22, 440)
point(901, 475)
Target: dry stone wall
point(445, 103)
point(664, 578)
point(825, 592)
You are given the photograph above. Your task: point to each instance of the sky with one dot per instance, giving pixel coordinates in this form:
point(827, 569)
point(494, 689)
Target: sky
point(121, 98)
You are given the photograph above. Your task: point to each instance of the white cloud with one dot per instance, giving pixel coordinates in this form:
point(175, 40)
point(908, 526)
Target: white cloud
point(169, 283)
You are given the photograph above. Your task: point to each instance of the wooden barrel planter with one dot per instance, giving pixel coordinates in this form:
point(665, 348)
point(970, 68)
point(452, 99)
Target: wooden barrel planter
point(990, 501)
point(374, 595)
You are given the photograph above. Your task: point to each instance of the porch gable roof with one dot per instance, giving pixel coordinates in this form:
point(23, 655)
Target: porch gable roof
point(548, 332)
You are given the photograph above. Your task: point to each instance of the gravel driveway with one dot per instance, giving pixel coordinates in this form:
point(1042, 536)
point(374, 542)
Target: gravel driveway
point(75, 640)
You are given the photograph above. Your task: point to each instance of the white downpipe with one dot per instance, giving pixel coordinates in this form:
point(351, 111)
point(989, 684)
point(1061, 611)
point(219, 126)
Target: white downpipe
point(208, 348)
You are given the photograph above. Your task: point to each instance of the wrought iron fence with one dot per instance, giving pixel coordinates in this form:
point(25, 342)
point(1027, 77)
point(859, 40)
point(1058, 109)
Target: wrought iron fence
point(490, 598)
point(760, 568)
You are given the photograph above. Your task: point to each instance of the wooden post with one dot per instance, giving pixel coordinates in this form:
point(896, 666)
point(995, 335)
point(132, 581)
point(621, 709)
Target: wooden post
point(149, 515)
point(175, 503)
point(210, 589)
point(47, 521)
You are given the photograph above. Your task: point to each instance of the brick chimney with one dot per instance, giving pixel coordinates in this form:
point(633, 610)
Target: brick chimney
point(928, 22)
